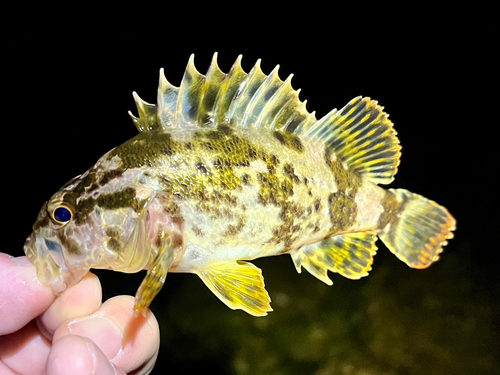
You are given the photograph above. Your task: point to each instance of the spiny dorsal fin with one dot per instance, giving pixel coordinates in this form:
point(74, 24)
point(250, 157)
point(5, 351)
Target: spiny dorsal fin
point(190, 95)
point(238, 98)
point(362, 137)
point(147, 120)
point(167, 102)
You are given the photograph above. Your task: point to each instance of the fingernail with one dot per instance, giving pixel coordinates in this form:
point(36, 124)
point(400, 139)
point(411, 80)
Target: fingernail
point(102, 331)
point(21, 261)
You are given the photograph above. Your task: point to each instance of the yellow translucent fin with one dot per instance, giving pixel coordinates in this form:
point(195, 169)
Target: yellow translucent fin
point(147, 120)
point(362, 137)
point(156, 275)
point(419, 232)
point(350, 254)
point(166, 102)
point(239, 285)
point(135, 255)
point(190, 95)
point(228, 90)
point(210, 92)
point(236, 98)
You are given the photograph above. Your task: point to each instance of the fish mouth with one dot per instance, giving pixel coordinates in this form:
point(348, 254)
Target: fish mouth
point(47, 257)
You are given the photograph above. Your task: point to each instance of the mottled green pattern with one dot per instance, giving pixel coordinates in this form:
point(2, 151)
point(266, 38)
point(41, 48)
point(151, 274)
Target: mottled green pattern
point(289, 140)
point(342, 205)
point(112, 201)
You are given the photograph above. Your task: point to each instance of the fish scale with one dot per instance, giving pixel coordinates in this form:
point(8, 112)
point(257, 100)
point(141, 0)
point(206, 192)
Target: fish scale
point(228, 168)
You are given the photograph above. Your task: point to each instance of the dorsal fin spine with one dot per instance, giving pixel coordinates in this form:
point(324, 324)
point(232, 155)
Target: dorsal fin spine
point(283, 98)
point(316, 130)
point(258, 101)
point(211, 88)
point(245, 92)
point(188, 98)
point(282, 94)
point(147, 120)
point(167, 102)
point(228, 91)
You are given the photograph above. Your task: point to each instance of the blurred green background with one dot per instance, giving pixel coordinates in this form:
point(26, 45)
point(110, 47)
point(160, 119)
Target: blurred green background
point(67, 105)
point(396, 321)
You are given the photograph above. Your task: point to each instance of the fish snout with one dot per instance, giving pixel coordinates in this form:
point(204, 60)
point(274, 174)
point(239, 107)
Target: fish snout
point(47, 257)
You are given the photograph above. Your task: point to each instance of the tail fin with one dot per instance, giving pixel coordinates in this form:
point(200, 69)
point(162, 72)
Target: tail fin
point(420, 230)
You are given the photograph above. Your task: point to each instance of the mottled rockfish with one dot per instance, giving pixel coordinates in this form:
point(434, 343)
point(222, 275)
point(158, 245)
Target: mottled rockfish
point(232, 167)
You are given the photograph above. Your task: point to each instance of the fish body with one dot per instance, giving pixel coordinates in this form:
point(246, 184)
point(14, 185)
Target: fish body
point(232, 167)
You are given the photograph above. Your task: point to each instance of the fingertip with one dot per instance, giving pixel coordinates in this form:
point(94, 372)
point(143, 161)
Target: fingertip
point(24, 351)
point(19, 284)
point(138, 341)
point(77, 355)
point(141, 334)
point(78, 300)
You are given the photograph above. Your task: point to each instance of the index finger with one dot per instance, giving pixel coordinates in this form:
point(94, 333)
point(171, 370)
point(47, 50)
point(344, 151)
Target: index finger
point(22, 296)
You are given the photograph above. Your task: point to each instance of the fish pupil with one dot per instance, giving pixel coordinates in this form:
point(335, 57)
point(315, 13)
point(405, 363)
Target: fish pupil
point(62, 214)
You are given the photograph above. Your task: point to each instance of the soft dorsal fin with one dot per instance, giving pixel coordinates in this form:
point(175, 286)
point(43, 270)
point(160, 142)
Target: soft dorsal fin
point(362, 137)
point(239, 98)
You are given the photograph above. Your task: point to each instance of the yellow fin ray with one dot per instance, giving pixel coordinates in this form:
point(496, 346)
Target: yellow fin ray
point(419, 232)
point(349, 254)
point(239, 285)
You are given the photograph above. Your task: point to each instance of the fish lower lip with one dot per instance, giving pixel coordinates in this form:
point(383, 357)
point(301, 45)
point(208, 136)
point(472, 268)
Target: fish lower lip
point(55, 251)
point(29, 248)
point(53, 246)
point(47, 270)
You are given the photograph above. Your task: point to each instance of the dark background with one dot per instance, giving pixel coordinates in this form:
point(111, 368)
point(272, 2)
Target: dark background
point(67, 87)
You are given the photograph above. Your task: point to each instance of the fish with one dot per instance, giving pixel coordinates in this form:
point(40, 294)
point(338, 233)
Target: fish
point(231, 167)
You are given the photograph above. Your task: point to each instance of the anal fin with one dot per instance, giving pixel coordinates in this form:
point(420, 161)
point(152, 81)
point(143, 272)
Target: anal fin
point(349, 254)
point(239, 285)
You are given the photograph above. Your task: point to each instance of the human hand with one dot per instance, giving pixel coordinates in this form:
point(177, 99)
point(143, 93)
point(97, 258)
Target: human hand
point(73, 333)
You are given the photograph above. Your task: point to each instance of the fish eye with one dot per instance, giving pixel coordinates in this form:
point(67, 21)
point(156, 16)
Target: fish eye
point(62, 214)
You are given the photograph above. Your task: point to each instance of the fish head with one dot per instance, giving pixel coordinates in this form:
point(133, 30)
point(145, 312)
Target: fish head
point(47, 246)
point(77, 230)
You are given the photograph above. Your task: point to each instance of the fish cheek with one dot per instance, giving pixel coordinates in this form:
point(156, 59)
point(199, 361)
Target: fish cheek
point(114, 242)
point(69, 244)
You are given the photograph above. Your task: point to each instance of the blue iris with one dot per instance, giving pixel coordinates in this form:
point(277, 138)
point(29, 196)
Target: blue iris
point(62, 214)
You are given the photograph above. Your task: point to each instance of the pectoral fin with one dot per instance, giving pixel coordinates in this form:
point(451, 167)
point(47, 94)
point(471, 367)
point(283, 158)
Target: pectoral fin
point(239, 285)
point(157, 273)
point(350, 254)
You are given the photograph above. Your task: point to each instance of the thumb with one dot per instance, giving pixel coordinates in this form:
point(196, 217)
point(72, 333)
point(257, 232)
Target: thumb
point(23, 297)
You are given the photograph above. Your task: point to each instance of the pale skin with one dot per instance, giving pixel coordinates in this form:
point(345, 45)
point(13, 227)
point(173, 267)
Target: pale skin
point(73, 333)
